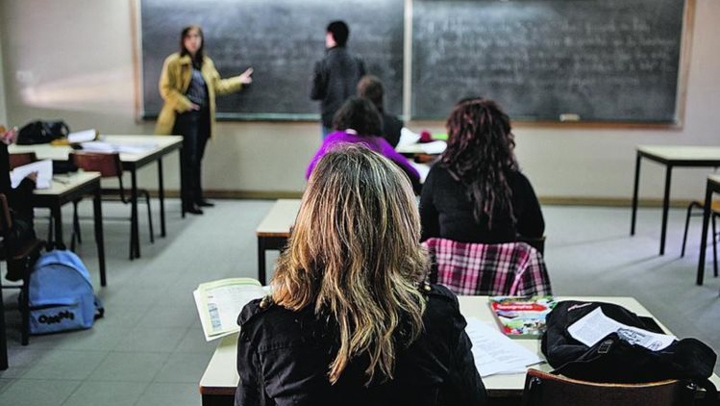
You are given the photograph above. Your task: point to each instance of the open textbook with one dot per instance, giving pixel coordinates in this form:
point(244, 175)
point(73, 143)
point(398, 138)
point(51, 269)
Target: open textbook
point(219, 303)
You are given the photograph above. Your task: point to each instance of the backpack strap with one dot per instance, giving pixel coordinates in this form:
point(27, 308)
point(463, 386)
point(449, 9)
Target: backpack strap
point(711, 393)
point(99, 308)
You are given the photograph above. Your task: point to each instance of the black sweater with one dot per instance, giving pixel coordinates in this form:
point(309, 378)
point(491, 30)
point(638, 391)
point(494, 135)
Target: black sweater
point(447, 212)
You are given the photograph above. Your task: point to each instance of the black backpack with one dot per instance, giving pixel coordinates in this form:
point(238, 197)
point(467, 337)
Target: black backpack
point(42, 132)
point(615, 360)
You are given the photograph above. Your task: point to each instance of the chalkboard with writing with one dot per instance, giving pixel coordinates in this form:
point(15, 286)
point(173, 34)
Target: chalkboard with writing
point(281, 40)
point(593, 60)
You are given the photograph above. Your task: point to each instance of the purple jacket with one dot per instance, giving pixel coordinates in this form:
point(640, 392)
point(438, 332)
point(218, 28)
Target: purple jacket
point(377, 144)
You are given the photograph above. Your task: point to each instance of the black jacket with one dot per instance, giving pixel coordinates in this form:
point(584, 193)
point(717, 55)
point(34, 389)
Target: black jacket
point(446, 211)
point(335, 80)
point(283, 359)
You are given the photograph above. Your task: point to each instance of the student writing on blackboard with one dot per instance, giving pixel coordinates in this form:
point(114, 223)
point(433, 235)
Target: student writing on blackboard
point(476, 192)
point(188, 84)
point(358, 122)
point(371, 88)
point(336, 76)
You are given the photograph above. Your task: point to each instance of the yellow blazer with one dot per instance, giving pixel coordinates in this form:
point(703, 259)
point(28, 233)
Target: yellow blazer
point(174, 83)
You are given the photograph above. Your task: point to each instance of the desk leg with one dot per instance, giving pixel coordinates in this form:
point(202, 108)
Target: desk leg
point(182, 183)
point(161, 196)
point(703, 237)
point(57, 218)
point(99, 236)
point(635, 194)
point(3, 336)
point(261, 260)
point(134, 228)
point(666, 206)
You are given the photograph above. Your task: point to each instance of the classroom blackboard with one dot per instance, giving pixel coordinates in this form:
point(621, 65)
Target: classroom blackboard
point(281, 40)
point(596, 60)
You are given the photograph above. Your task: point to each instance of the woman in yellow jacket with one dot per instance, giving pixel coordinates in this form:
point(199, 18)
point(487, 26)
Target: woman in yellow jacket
point(188, 84)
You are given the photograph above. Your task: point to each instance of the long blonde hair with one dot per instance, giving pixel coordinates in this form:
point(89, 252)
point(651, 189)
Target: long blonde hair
point(354, 255)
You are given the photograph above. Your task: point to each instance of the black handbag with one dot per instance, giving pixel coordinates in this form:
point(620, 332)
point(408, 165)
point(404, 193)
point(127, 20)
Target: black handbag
point(42, 132)
point(615, 360)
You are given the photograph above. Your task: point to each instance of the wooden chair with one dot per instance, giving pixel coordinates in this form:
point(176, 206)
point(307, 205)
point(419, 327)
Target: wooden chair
point(21, 158)
point(544, 389)
point(512, 269)
point(714, 214)
point(19, 256)
point(109, 166)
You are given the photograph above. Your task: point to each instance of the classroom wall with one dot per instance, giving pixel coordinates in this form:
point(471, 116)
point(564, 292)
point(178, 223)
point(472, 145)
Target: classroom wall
point(75, 60)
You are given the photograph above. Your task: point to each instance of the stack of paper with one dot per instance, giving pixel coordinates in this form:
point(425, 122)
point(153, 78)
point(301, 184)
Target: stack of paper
point(129, 148)
point(44, 171)
point(495, 353)
point(82, 136)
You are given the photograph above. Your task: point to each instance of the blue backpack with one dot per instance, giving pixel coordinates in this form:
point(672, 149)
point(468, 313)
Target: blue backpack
point(61, 295)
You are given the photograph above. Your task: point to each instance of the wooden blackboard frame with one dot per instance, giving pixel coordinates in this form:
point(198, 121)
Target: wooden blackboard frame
point(681, 94)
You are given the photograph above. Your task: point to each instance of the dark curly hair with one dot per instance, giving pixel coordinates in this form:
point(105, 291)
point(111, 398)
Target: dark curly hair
point(480, 155)
point(360, 115)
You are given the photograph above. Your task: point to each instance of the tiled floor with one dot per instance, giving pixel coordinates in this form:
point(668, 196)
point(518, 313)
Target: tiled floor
point(149, 348)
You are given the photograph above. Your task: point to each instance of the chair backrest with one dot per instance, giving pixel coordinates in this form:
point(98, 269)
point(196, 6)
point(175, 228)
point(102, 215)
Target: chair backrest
point(544, 389)
point(22, 158)
point(512, 269)
point(108, 164)
point(5, 219)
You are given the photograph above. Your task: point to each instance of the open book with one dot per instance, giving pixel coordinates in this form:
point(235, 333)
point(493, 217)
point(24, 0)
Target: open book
point(219, 303)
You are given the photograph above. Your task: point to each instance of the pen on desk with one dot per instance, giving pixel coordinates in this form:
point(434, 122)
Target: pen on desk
point(59, 180)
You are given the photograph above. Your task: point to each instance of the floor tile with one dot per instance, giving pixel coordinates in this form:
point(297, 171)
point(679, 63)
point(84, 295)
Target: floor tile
point(169, 316)
point(151, 340)
point(175, 394)
point(34, 392)
point(183, 368)
point(20, 360)
point(106, 394)
point(133, 366)
point(194, 341)
point(61, 364)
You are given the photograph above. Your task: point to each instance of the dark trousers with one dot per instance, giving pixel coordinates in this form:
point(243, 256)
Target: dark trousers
point(194, 126)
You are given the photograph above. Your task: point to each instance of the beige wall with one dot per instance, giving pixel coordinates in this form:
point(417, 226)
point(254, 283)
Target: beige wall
point(73, 59)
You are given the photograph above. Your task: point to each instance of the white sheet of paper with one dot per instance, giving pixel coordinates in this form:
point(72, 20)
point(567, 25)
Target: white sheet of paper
point(129, 148)
point(82, 136)
point(407, 137)
point(43, 168)
point(595, 326)
point(494, 352)
point(434, 147)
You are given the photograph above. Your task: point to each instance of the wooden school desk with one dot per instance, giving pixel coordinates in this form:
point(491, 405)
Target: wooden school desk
point(713, 186)
point(274, 230)
point(218, 383)
point(161, 146)
point(66, 189)
point(670, 156)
